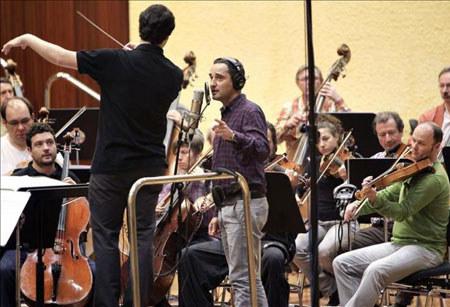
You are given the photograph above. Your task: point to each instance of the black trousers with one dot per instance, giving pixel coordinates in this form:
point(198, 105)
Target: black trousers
point(108, 194)
point(203, 267)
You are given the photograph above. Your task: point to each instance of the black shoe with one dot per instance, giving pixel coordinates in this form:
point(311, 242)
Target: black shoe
point(334, 299)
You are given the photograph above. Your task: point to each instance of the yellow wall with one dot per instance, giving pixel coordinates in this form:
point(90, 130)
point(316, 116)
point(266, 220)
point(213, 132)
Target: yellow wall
point(398, 48)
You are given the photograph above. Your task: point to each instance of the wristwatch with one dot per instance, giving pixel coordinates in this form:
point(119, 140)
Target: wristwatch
point(233, 137)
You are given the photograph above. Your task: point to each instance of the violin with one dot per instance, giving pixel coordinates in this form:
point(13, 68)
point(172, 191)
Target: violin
point(335, 161)
point(67, 276)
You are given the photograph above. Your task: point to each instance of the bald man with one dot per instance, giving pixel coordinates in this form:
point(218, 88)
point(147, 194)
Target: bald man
point(17, 117)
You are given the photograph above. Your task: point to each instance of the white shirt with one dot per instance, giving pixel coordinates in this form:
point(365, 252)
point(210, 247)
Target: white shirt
point(446, 128)
point(11, 156)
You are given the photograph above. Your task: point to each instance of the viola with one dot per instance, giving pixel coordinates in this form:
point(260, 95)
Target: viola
point(67, 277)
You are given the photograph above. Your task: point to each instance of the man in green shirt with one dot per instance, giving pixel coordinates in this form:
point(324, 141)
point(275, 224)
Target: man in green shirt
point(419, 207)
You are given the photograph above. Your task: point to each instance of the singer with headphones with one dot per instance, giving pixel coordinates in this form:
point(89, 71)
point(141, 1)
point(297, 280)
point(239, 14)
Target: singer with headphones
point(240, 145)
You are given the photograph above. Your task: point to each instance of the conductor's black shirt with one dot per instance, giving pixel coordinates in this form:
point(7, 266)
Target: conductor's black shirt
point(137, 88)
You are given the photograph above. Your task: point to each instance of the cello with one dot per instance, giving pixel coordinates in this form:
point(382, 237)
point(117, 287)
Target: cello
point(67, 276)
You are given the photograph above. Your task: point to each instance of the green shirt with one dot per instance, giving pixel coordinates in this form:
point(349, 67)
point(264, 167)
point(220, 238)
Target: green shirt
point(419, 207)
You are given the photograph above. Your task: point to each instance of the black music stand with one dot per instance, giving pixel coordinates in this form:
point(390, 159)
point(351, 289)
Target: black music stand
point(284, 215)
point(366, 141)
point(45, 202)
point(87, 122)
point(446, 155)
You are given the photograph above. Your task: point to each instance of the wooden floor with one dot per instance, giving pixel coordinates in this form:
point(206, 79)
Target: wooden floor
point(293, 299)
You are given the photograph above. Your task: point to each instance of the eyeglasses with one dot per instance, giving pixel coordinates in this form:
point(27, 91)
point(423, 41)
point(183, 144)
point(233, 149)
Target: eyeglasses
point(22, 122)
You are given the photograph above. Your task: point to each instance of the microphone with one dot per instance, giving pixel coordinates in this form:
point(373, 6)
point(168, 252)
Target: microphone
point(194, 113)
point(207, 94)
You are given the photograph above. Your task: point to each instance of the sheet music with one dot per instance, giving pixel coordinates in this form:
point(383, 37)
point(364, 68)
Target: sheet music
point(14, 183)
point(12, 205)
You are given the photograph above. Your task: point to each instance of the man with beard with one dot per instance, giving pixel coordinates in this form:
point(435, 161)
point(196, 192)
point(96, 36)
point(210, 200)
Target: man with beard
point(41, 145)
point(419, 207)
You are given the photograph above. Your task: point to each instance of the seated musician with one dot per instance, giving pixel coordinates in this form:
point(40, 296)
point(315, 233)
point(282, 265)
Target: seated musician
point(41, 145)
point(441, 113)
point(204, 266)
point(295, 113)
point(17, 117)
point(6, 91)
point(330, 132)
point(189, 155)
point(419, 207)
point(388, 126)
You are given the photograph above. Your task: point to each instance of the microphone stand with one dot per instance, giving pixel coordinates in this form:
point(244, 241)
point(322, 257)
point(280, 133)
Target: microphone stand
point(312, 139)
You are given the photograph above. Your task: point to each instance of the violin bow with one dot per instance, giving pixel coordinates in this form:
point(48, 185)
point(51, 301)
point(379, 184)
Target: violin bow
point(101, 30)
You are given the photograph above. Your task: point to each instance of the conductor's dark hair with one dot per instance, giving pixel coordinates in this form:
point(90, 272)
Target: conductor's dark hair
point(156, 23)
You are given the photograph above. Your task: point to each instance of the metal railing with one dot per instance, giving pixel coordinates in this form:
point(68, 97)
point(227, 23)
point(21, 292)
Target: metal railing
point(187, 178)
point(66, 76)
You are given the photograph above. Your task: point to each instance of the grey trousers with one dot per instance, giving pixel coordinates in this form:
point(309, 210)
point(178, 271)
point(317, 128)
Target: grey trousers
point(232, 226)
point(328, 249)
point(362, 274)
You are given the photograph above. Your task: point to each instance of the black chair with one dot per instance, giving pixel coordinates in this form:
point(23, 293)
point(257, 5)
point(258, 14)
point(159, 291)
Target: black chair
point(433, 282)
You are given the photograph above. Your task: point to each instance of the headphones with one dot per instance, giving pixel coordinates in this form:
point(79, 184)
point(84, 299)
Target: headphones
point(237, 78)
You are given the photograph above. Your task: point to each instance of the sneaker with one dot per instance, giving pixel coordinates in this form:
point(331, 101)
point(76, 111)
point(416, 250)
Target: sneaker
point(334, 299)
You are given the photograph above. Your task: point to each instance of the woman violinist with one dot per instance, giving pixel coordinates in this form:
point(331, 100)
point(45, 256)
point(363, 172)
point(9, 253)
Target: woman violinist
point(330, 132)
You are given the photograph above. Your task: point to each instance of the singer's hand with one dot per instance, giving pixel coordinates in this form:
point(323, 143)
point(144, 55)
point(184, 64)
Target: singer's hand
point(350, 212)
point(222, 130)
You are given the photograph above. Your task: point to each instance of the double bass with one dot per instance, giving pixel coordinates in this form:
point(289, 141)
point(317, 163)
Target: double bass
point(297, 155)
point(67, 276)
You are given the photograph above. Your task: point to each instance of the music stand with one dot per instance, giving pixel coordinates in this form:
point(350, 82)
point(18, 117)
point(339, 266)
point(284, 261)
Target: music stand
point(366, 141)
point(446, 155)
point(284, 215)
point(87, 122)
point(35, 234)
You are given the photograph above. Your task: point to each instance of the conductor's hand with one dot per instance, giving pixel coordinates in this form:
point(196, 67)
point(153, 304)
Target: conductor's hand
point(130, 46)
point(19, 41)
point(213, 227)
point(350, 212)
point(222, 130)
